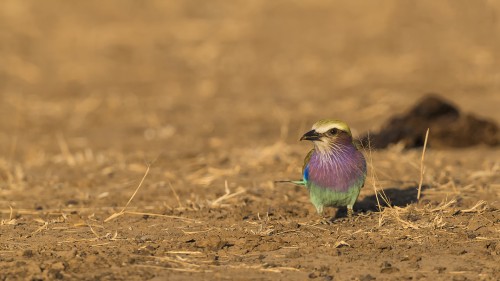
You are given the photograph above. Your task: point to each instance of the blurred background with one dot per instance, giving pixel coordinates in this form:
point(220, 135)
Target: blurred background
point(216, 94)
point(195, 75)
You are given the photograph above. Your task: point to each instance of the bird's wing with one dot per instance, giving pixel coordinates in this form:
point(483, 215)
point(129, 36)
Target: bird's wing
point(306, 160)
point(304, 167)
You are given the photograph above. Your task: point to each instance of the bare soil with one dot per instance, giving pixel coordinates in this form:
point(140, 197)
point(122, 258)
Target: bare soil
point(213, 96)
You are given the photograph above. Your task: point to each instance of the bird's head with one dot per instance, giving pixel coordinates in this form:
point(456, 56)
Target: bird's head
point(326, 133)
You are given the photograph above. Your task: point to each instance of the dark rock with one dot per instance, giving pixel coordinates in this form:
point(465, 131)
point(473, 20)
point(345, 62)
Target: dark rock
point(388, 268)
point(367, 277)
point(440, 269)
point(28, 253)
point(448, 127)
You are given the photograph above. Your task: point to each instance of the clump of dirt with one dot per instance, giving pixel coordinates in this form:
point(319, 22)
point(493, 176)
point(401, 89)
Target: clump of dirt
point(449, 127)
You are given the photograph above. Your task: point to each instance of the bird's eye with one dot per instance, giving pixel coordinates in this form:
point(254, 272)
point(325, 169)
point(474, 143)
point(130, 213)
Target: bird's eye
point(333, 131)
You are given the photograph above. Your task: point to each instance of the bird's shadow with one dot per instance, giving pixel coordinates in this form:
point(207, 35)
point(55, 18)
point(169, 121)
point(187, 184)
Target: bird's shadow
point(397, 196)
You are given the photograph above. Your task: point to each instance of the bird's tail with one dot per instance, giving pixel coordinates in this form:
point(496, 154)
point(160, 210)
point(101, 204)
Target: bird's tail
point(301, 182)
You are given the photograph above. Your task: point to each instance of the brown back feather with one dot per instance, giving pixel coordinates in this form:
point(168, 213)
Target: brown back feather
point(306, 160)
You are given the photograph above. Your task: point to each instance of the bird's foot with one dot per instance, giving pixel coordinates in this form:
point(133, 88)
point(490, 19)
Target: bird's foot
point(324, 221)
point(350, 212)
point(350, 215)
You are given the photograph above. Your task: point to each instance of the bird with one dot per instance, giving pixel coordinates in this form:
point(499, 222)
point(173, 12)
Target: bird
point(334, 171)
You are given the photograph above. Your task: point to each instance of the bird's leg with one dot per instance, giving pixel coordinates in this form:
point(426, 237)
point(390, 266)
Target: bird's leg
point(324, 219)
point(319, 209)
point(350, 212)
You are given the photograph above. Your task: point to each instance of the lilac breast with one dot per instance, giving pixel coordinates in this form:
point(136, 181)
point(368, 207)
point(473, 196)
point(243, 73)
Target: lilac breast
point(339, 171)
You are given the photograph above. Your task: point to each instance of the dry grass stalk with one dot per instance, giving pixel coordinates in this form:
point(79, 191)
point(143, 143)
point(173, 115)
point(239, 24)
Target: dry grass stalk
point(185, 252)
point(373, 174)
point(57, 212)
point(196, 232)
point(178, 260)
point(263, 228)
point(443, 206)
point(228, 195)
point(175, 194)
point(10, 221)
point(431, 217)
point(160, 215)
point(395, 214)
point(314, 226)
point(93, 231)
point(341, 243)
point(115, 215)
point(422, 168)
point(108, 236)
point(170, 268)
point(277, 269)
point(176, 263)
point(378, 191)
point(480, 206)
point(43, 227)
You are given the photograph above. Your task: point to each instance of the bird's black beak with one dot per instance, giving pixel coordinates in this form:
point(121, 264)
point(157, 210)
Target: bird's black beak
point(311, 135)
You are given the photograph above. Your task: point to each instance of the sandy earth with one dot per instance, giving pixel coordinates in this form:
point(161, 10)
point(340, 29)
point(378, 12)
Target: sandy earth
point(214, 97)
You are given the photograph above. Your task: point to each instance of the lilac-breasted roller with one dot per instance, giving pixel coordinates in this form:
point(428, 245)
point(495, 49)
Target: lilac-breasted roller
point(334, 170)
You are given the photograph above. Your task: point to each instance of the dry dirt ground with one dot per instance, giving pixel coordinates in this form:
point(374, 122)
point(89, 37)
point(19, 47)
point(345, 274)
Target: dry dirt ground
point(214, 96)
